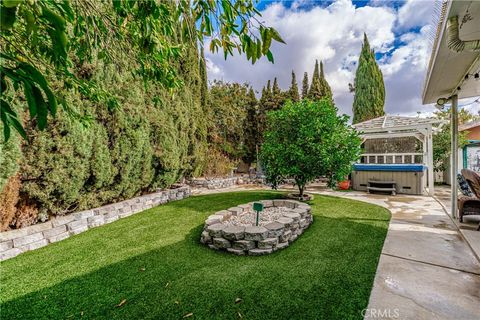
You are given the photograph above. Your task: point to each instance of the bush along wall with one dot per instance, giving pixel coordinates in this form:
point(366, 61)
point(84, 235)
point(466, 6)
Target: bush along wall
point(102, 155)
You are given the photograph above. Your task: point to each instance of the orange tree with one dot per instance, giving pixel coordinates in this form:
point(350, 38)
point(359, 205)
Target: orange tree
point(307, 139)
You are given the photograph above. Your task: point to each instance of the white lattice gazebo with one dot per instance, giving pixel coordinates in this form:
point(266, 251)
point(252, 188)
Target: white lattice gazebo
point(387, 127)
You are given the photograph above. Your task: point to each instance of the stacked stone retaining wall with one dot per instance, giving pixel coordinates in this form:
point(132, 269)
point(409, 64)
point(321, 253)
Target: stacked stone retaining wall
point(220, 183)
point(15, 242)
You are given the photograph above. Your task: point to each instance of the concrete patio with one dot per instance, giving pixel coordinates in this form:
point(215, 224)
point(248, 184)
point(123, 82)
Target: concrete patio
point(468, 227)
point(426, 270)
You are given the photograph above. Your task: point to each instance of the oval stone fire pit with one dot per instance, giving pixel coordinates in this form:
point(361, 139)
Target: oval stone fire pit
point(234, 229)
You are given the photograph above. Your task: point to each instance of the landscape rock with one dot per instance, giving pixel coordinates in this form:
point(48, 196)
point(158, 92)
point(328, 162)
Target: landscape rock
point(244, 245)
point(292, 215)
point(77, 224)
point(267, 203)
point(238, 252)
point(256, 233)
point(83, 214)
point(212, 221)
point(95, 221)
point(10, 253)
point(221, 243)
point(6, 245)
point(55, 231)
point(259, 252)
point(293, 238)
point(301, 211)
point(287, 222)
point(58, 237)
point(282, 245)
point(205, 238)
point(224, 213)
point(268, 243)
point(303, 223)
point(80, 229)
point(19, 242)
point(215, 230)
point(58, 221)
point(235, 210)
point(234, 233)
point(279, 203)
point(245, 206)
point(39, 227)
point(34, 245)
point(285, 236)
point(290, 204)
point(275, 229)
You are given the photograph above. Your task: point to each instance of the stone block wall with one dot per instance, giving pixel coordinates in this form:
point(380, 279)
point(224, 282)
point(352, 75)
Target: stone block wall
point(257, 240)
point(220, 183)
point(14, 242)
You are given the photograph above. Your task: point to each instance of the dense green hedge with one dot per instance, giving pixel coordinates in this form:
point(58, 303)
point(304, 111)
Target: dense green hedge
point(9, 156)
point(150, 140)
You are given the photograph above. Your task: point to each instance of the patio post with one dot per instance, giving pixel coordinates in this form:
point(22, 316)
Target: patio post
point(454, 156)
point(425, 158)
point(431, 177)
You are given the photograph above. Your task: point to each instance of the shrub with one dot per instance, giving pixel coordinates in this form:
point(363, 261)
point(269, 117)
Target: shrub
point(10, 155)
point(8, 202)
point(227, 112)
point(217, 164)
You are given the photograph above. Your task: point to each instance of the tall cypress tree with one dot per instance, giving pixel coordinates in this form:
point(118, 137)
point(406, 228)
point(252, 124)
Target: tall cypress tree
point(203, 77)
point(251, 128)
point(263, 94)
point(276, 88)
point(270, 96)
point(278, 98)
point(316, 71)
point(320, 89)
point(325, 89)
point(293, 91)
point(369, 87)
point(201, 131)
point(265, 105)
point(305, 86)
point(315, 91)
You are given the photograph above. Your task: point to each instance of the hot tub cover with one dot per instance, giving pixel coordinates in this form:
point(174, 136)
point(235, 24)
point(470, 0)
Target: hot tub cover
point(390, 167)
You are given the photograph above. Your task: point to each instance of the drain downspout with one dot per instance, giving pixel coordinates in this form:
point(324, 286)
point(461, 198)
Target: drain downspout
point(453, 38)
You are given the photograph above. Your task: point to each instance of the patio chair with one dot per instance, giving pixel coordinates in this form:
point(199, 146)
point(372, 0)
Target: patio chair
point(470, 205)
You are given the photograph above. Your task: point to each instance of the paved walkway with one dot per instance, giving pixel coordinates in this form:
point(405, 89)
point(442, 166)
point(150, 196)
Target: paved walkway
point(426, 269)
point(468, 227)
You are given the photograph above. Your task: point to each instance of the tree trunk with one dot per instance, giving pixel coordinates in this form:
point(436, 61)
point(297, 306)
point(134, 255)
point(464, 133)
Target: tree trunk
point(300, 189)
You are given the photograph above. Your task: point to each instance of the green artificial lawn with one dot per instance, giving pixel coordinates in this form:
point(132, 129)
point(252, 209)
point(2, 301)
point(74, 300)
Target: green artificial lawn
point(152, 266)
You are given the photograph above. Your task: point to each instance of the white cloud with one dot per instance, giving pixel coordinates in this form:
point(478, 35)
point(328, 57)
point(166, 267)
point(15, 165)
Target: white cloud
point(214, 71)
point(415, 13)
point(334, 34)
point(404, 72)
point(472, 105)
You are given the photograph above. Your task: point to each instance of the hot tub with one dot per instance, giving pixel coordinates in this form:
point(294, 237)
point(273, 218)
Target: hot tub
point(409, 178)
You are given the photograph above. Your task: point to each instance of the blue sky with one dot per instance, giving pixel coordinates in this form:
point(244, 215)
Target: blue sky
point(332, 31)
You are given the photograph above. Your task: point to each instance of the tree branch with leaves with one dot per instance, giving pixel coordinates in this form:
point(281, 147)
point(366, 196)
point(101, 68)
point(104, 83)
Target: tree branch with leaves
point(41, 41)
